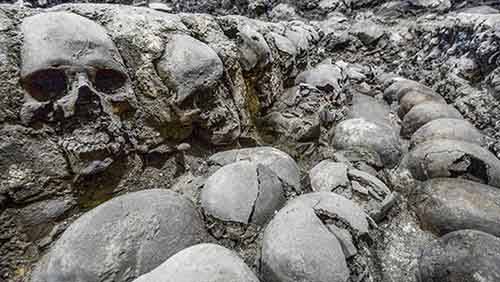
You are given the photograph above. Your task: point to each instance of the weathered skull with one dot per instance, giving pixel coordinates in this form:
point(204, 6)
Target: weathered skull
point(75, 81)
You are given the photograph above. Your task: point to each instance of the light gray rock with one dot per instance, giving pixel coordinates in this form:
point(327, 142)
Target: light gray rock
point(449, 204)
point(278, 161)
point(368, 32)
point(370, 180)
point(493, 83)
point(451, 129)
point(465, 255)
point(482, 10)
point(328, 175)
point(452, 158)
point(324, 76)
point(436, 5)
point(345, 240)
point(244, 192)
point(159, 6)
point(360, 157)
point(424, 113)
point(189, 65)
point(123, 238)
point(303, 36)
point(361, 187)
point(283, 12)
point(206, 262)
point(254, 51)
point(298, 246)
point(284, 44)
point(359, 132)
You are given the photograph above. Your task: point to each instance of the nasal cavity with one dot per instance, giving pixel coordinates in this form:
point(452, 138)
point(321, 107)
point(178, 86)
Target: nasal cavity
point(85, 93)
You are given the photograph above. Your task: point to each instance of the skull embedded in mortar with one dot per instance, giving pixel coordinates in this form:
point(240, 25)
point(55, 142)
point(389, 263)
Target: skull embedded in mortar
point(75, 82)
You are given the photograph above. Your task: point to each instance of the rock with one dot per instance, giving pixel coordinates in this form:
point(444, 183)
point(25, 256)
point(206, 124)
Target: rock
point(283, 12)
point(424, 113)
point(159, 6)
point(451, 129)
point(400, 86)
point(301, 35)
point(368, 32)
point(345, 240)
point(45, 211)
point(243, 192)
point(413, 98)
point(361, 187)
point(324, 76)
point(284, 44)
point(465, 255)
point(297, 246)
point(28, 162)
point(493, 83)
point(278, 161)
point(210, 262)
point(360, 157)
point(359, 132)
point(482, 10)
point(452, 158)
point(369, 180)
point(128, 236)
point(333, 23)
point(189, 65)
point(254, 51)
point(436, 5)
point(448, 204)
point(371, 193)
point(328, 175)
point(465, 67)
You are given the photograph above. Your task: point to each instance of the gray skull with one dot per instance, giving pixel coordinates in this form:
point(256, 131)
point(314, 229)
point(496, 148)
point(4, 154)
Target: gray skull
point(75, 81)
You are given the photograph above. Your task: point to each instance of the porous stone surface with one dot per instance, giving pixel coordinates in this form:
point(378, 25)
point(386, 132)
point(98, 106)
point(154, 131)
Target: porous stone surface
point(123, 238)
point(210, 262)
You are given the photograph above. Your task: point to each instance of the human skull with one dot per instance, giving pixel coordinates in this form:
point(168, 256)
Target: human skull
point(75, 81)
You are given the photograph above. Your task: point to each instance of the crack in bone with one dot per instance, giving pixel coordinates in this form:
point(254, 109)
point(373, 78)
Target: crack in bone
point(250, 216)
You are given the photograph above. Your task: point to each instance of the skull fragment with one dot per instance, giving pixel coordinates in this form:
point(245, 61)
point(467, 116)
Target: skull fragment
point(75, 81)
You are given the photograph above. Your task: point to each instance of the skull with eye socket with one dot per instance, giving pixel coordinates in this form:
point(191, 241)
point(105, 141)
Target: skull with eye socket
point(75, 81)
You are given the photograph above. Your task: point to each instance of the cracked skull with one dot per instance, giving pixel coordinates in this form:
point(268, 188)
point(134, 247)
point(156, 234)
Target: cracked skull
point(75, 81)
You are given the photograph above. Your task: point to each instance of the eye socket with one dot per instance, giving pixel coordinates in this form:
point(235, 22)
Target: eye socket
point(46, 85)
point(108, 80)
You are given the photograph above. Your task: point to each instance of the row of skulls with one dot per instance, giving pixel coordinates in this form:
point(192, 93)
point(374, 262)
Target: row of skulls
point(75, 81)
